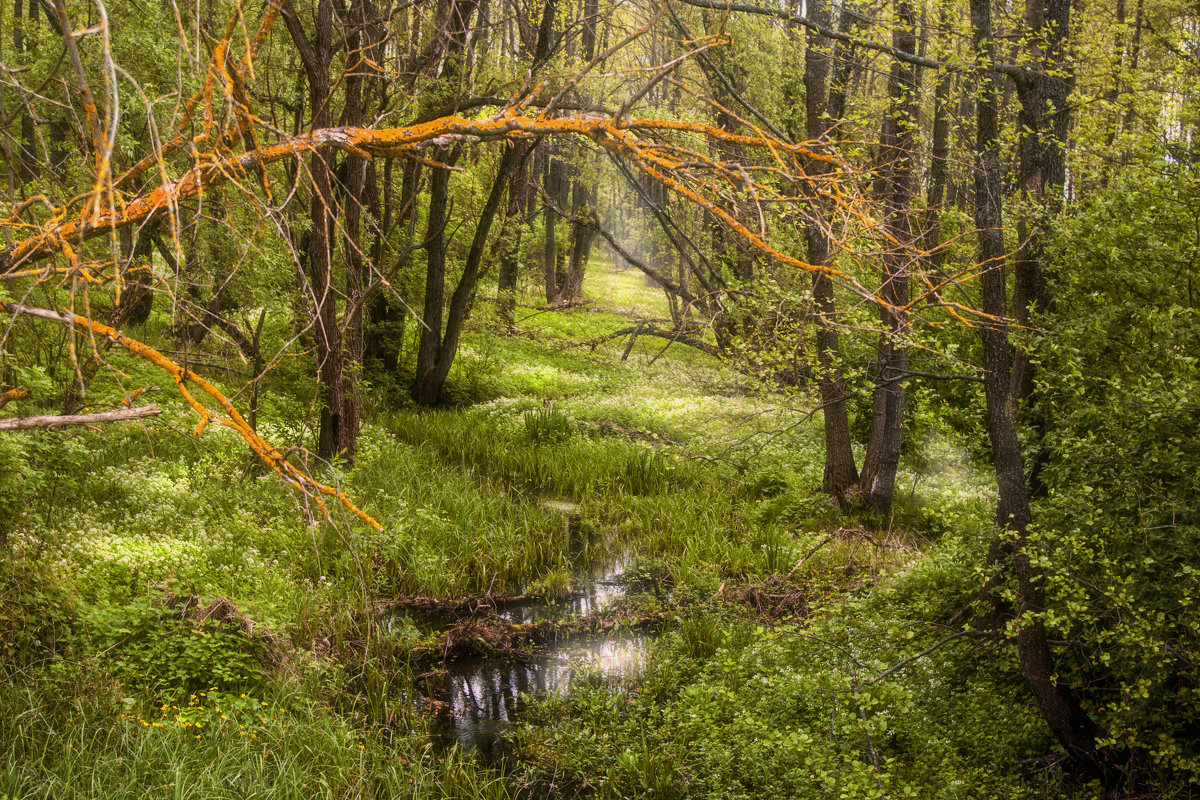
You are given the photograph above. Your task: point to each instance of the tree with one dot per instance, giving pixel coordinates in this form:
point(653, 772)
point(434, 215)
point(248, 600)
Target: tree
point(1058, 704)
point(659, 149)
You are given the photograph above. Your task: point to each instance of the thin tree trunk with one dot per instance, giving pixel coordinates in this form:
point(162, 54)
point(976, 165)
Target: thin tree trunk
point(431, 381)
point(555, 184)
point(877, 483)
point(1058, 705)
point(506, 282)
point(354, 192)
point(840, 471)
point(935, 194)
point(1044, 119)
point(424, 390)
point(317, 55)
point(583, 200)
point(583, 196)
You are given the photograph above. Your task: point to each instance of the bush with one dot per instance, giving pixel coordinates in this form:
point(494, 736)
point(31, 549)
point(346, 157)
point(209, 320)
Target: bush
point(154, 648)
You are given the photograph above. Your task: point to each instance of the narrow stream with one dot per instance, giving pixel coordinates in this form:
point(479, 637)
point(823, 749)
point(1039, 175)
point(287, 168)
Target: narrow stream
point(474, 699)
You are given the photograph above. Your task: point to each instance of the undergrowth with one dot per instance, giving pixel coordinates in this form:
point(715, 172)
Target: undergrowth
point(175, 622)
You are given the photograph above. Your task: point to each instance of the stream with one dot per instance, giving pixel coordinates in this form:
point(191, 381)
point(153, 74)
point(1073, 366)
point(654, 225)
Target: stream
point(473, 700)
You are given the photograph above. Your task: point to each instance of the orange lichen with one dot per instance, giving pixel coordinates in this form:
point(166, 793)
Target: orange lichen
point(231, 419)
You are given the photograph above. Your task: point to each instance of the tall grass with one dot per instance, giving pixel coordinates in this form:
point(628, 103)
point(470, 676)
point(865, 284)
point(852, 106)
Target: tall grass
point(304, 752)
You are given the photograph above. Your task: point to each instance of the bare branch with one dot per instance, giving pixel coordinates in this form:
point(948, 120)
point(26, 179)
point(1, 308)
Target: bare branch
point(62, 420)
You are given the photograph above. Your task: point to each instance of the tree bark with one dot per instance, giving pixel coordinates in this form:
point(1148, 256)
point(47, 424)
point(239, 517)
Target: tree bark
point(63, 420)
point(356, 24)
point(935, 195)
point(840, 471)
point(423, 390)
point(583, 201)
point(1044, 118)
point(877, 483)
point(317, 55)
point(556, 187)
point(431, 377)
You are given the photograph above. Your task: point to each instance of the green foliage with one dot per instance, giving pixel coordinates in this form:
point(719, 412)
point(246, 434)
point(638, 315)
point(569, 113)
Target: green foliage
point(149, 648)
point(548, 426)
point(37, 615)
point(1120, 373)
point(70, 740)
point(801, 709)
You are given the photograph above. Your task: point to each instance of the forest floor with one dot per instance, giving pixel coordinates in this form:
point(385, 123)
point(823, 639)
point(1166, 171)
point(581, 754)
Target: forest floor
point(598, 575)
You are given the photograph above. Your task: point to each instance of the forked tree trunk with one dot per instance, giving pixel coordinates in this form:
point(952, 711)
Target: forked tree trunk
point(354, 184)
point(433, 369)
point(1044, 118)
point(583, 200)
point(840, 471)
point(557, 186)
point(317, 57)
point(424, 390)
point(935, 195)
point(583, 195)
point(510, 265)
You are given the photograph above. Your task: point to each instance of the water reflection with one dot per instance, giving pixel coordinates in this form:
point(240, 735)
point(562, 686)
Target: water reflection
point(475, 700)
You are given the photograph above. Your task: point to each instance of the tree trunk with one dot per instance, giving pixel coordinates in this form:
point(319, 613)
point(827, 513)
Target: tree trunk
point(1044, 118)
point(317, 56)
point(555, 185)
point(425, 388)
point(878, 480)
point(583, 200)
point(510, 265)
point(583, 196)
point(935, 195)
point(840, 471)
point(1058, 705)
point(431, 380)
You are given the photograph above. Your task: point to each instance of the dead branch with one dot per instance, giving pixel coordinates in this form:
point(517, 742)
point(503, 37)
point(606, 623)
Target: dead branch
point(229, 416)
point(13, 394)
point(649, 329)
point(63, 420)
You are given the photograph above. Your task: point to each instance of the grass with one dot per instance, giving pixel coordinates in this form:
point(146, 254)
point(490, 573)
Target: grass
point(299, 750)
point(703, 475)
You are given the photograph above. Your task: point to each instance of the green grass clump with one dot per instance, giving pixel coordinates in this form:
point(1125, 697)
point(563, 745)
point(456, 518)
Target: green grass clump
point(548, 426)
point(274, 745)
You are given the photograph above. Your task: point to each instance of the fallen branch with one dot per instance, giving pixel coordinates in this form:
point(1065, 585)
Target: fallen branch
point(62, 420)
point(648, 329)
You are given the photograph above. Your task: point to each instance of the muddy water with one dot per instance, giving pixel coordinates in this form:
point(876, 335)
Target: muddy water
point(474, 700)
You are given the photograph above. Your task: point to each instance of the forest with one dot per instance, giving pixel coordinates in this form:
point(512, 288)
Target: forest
point(599, 398)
